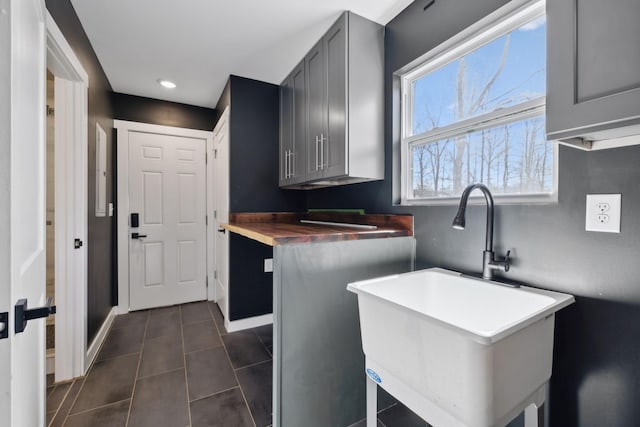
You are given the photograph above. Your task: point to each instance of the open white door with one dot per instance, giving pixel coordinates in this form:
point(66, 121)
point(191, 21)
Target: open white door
point(221, 174)
point(72, 356)
point(22, 211)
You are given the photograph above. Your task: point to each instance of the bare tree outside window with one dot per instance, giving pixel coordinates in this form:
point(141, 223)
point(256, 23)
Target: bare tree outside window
point(512, 156)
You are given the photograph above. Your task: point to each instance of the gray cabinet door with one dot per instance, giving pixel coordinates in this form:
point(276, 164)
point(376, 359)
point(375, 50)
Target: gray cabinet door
point(286, 130)
point(316, 108)
point(334, 145)
point(593, 69)
point(335, 111)
point(298, 159)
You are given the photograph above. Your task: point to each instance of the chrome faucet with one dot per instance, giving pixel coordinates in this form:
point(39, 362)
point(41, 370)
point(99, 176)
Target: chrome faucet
point(489, 263)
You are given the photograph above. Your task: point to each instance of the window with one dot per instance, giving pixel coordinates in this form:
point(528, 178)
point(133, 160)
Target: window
point(473, 110)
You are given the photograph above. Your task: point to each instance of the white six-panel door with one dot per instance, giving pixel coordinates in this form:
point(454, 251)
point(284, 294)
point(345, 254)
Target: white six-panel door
point(167, 190)
point(22, 210)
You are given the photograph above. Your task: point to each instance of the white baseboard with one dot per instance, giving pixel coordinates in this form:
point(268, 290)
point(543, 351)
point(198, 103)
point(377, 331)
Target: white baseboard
point(51, 361)
point(248, 323)
point(92, 352)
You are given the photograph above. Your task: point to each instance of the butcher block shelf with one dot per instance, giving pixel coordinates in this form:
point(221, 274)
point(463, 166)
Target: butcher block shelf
point(278, 228)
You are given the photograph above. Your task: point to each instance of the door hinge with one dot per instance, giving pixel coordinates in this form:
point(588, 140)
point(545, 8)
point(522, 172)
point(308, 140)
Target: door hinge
point(215, 154)
point(215, 274)
point(206, 282)
point(206, 157)
point(215, 214)
point(206, 220)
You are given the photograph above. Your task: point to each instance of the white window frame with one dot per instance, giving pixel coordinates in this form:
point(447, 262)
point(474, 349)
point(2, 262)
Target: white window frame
point(509, 17)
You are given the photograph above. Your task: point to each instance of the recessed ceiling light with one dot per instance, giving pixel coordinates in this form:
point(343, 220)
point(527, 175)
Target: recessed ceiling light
point(167, 83)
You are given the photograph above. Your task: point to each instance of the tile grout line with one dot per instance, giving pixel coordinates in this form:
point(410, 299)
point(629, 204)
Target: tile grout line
point(159, 373)
point(116, 357)
point(253, 364)
point(224, 346)
point(213, 394)
point(262, 341)
point(84, 378)
point(214, 318)
point(100, 407)
point(135, 380)
point(75, 399)
point(55, 413)
point(184, 362)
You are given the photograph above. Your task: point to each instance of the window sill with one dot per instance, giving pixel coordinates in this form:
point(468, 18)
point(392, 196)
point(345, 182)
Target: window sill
point(499, 199)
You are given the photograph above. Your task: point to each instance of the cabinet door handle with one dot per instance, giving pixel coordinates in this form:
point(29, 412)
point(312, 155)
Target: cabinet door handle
point(292, 168)
point(322, 138)
point(317, 157)
point(286, 164)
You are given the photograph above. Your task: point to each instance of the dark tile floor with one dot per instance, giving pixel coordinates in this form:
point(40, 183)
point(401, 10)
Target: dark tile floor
point(177, 367)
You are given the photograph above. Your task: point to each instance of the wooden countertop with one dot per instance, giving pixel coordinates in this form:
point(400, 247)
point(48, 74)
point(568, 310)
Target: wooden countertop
point(285, 228)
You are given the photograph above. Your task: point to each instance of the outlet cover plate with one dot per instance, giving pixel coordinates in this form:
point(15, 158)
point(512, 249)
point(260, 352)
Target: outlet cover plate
point(603, 213)
point(268, 265)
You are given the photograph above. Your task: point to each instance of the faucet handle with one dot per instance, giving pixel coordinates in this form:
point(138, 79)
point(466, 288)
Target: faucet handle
point(506, 261)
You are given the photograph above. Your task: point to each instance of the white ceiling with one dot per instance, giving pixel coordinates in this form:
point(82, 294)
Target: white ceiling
point(199, 43)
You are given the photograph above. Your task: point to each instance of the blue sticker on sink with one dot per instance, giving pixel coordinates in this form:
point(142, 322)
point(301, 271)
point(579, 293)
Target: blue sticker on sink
point(374, 376)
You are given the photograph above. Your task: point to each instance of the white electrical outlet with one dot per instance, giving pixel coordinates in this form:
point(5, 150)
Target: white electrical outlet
point(603, 213)
point(268, 265)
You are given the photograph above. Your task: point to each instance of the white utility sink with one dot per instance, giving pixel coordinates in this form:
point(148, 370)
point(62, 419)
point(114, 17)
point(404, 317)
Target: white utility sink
point(457, 350)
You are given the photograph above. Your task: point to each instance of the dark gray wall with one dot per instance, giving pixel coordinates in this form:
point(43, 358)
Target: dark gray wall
point(596, 375)
point(148, 110)
point(99, 244)
point(254, 131)
point(252, 291)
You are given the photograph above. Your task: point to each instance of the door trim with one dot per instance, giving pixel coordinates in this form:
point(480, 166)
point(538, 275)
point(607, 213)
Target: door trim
point(122, 147)
point(71, 135)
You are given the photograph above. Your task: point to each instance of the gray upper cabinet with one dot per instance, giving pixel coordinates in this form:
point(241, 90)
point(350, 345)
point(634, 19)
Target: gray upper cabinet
point(593, 70)
point(293, 127)
point(334, 144)
point(286, 129)
point(343, 76)
point(316, 111)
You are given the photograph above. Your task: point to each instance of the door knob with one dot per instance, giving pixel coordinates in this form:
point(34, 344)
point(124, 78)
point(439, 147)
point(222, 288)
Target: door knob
point(4, 325)
point(24, 314)
point(221, 230)
point(138, 236)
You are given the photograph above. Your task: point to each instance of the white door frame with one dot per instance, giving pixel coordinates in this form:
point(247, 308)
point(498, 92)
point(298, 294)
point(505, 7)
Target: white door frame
point(124, 128)
point(71, 140)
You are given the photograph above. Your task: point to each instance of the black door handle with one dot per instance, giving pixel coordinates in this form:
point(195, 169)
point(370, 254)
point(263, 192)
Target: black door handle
point(4, 325)
point(221, 230)
point(138, 236)
point(23, 314)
